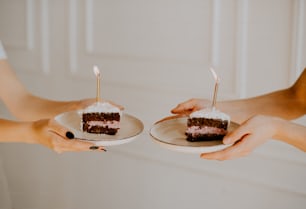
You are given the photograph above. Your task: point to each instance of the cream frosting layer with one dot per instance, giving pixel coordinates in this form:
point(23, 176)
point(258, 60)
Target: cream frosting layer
point(106, 124)
point(211, 113)
point(194, 130)
point(102, 107)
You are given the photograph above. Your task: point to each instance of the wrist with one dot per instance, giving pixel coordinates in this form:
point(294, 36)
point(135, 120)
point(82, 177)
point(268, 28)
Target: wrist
point(280, 126)
point(12, 131)
point(27, 133)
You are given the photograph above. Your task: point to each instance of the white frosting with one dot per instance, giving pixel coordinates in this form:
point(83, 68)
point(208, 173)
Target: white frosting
point(2, 52)
point(102, 107)
point(210, 113)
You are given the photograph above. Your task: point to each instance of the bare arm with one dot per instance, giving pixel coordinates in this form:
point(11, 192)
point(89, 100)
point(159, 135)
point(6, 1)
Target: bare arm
point(287, 103)
point(291, 133)
point(262, 118)
point(44, 132)
point(255, 132)
point(26, 106)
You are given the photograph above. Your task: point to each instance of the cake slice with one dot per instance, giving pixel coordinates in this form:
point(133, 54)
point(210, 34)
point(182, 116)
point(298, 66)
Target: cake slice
point(101, 118)
point(206, 125)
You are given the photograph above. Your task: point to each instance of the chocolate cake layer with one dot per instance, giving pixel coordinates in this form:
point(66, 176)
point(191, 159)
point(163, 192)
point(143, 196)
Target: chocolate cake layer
point(218, 123)
point(107, 118)
point(204, 137)
point(99, 129)
point(205, 129)
point(100, 116)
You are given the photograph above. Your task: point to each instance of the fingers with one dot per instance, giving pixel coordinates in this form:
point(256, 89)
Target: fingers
point(76, 146)
point(234, 136)
point(243, 130)
point(63, 140)
point(190, 106)
point(185, 107)
point(69, 135)
point(182, 108)
point(239, 138)
point(97, 148)
point(170, 117)
point(225, 154)
point(237, 150)
point(60, 130)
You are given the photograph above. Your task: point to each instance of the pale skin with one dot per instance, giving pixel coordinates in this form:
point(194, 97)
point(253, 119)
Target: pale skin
point(35, 115)
point(262, 118)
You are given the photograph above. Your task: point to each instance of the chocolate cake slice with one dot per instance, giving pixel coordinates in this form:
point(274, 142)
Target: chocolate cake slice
point(101, 118)
point(207, 125)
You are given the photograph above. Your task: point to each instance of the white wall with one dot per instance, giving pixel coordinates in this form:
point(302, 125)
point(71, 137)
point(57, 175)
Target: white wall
point(153, 55)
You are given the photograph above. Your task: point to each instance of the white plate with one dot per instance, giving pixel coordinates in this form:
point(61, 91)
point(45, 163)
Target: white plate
point(130, 128)
point(170, 134)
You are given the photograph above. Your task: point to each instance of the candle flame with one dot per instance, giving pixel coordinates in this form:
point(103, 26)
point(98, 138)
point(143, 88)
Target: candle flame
point(217, 79)
point(96, 71)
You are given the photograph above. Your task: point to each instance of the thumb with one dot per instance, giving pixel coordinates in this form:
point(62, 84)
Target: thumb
point(183, 108)
point(234, 136)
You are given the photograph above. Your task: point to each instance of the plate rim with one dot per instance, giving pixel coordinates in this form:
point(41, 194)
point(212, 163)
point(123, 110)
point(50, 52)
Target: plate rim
point(186, 148)
point(105, 141)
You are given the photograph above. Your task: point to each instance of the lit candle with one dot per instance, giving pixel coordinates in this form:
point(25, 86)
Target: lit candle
point(98, 75)
point(217, 80)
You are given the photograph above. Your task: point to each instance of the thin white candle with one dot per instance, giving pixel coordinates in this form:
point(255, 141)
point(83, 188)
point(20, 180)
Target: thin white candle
point(217, 81)
point(98, 76)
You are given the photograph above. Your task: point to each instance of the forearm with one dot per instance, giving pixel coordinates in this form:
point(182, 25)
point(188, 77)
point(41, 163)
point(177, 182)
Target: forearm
point(12, 91)
point(281, 103)
point(35, 108)
point(287, 103)
point(291, 133)
point(24, 105)
point(12, 131)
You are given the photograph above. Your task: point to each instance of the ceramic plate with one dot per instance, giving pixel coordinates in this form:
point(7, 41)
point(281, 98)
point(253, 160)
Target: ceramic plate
point(170, 134)
point(130, 128)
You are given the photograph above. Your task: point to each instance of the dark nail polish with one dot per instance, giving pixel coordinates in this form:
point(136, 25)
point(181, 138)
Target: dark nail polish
point(69, 135)
point(94, 147)
point(103, 149)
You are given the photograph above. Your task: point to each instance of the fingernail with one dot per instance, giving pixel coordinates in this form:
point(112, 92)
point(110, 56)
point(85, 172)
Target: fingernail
point(97, 147)
point(69, 135)
point(103, 149)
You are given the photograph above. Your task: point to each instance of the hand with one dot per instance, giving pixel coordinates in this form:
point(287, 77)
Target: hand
point(49, 133)
point(251, 134)
point(191, 105)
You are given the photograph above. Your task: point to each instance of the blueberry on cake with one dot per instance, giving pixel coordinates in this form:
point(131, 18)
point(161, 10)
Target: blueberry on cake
point(101, 118)
point(206, 125)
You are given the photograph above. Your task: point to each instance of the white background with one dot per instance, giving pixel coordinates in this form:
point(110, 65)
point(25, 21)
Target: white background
point(153, 54)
